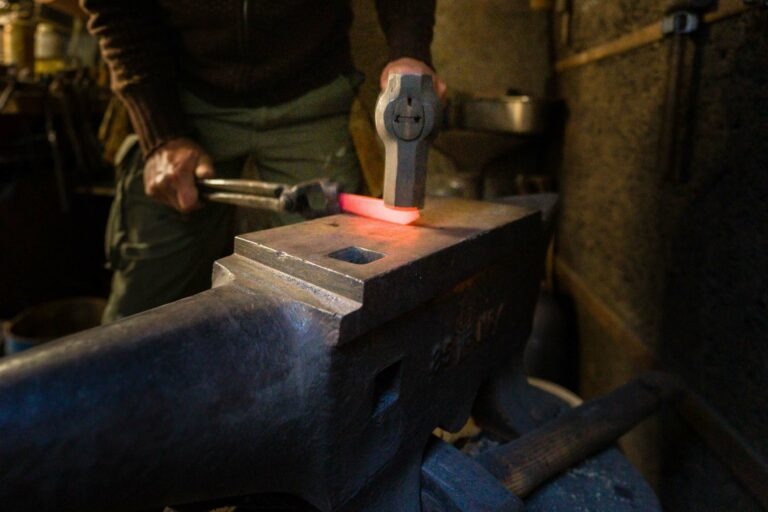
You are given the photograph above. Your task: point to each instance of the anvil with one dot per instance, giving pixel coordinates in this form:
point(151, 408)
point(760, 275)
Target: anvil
point(317, 365)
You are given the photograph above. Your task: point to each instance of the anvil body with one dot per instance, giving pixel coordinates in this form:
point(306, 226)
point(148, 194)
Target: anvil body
point(317, 365)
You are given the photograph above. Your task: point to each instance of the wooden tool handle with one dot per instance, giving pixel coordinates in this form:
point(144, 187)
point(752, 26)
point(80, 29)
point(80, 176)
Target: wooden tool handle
point(525, 463)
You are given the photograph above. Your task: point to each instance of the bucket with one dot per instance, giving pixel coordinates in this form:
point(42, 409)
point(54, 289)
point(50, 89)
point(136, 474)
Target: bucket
point(19, 44)
point(50, 320)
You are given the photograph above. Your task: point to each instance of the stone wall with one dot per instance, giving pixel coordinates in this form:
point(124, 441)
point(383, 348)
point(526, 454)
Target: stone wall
point(680, 264)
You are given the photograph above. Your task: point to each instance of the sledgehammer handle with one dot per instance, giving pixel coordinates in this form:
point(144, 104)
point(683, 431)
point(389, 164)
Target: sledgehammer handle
point(525, 463)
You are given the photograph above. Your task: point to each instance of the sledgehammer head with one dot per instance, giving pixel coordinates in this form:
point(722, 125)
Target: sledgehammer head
point(408, 114)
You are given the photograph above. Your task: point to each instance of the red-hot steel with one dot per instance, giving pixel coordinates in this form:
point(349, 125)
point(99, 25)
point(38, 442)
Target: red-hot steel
point(375, 209)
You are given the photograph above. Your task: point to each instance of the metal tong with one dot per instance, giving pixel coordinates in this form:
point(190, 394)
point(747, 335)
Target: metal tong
point(311, 199)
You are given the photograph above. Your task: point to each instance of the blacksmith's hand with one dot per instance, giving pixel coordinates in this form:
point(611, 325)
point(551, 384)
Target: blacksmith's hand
point(171, 171)
point(405, 66)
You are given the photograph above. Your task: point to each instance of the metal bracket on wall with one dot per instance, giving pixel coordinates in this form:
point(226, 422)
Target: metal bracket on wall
point(681, 22)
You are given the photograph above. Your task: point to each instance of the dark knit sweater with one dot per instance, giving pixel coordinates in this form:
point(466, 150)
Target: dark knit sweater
point(245, 52)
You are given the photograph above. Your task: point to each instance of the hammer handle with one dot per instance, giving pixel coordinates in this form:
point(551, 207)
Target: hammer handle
point(523, 464)
point(250, 187)
point(245, 200)
point(261, 195)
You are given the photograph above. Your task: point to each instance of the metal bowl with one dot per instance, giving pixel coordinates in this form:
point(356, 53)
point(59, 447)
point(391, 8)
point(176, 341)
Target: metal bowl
point(521, 115)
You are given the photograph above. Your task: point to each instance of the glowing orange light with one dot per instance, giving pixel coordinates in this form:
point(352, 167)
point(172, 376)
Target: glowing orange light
point(375, 209)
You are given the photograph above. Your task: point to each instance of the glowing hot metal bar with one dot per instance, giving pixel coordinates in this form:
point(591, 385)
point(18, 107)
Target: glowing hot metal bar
point(375, 209)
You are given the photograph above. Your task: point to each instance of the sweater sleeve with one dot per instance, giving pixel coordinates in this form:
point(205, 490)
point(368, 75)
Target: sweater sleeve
point(135, 43)
point(408, 25)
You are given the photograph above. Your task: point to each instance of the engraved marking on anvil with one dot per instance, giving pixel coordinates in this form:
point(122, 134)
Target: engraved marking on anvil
point(470, 332)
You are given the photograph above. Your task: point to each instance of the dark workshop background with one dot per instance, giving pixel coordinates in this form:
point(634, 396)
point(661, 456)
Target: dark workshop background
point(55, 186)
point(657, 265)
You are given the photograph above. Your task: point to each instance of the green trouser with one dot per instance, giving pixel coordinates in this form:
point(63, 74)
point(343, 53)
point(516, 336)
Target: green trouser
point(159, 255)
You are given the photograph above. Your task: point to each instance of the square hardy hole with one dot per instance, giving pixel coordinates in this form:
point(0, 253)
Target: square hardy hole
point(356, 255)
point(386, 388)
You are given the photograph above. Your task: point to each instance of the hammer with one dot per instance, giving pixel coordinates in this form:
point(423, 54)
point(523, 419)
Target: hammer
point(408, 114)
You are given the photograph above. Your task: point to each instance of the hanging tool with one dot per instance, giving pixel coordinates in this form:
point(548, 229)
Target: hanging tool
point(682, 24)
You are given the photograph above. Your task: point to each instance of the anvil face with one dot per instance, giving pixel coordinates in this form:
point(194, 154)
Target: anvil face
point(318, 365)
point(388, 268)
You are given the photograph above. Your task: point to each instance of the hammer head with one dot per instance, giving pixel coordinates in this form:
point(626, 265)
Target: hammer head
point(408, 114)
